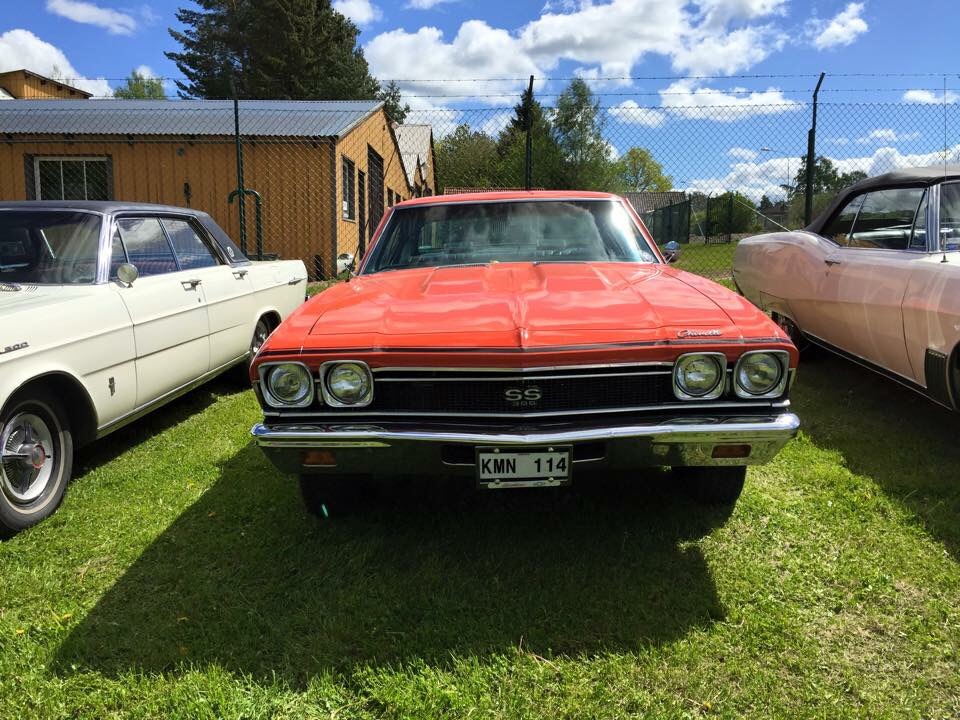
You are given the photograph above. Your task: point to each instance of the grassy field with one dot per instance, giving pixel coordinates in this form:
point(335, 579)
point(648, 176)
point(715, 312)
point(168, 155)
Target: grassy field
point(182, 579)
point(714, 261)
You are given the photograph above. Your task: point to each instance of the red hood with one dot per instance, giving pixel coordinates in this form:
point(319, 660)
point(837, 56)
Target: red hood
point(516, 305)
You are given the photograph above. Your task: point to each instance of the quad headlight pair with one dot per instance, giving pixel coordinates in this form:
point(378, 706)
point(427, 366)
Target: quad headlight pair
point(757, 374)
point(342, 384)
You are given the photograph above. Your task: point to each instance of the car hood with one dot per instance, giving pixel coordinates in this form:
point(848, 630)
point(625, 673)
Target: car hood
point(28, 297)
point(515, 305)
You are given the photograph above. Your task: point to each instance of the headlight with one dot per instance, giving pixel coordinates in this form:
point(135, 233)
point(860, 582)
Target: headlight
point(761, 374)
point(699, 376)
point(347, 383)
point(288, 385)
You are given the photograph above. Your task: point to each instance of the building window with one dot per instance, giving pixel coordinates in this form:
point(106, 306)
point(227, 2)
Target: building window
point(389, 197)
point(71, 178)
point(348, 187)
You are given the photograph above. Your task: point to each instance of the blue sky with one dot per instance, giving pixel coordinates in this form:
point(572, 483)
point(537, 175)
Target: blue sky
point(711, 128)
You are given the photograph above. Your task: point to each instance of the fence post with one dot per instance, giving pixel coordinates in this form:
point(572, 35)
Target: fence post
point(241, 193)
point(528, 159)
point(811, 157)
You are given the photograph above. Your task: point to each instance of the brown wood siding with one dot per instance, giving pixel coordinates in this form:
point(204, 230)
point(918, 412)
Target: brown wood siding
point(292, 177)
point(24, 86)
point(374, 132)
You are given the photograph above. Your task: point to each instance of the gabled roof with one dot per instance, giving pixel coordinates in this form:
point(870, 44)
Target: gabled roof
point(644, 202)
point(44, 78)
point(262, 118)
point(415, 142)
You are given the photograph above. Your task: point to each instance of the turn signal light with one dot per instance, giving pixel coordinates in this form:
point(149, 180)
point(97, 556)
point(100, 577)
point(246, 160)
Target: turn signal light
point(319, 458)
point(731, 451)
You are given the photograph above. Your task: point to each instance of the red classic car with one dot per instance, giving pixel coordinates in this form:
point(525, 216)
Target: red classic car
point(519, 339)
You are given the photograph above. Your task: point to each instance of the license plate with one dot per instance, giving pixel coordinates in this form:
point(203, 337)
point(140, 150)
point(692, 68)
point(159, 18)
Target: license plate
point(505, 468)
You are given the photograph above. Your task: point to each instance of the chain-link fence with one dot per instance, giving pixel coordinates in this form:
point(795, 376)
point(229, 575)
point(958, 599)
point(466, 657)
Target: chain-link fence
point(312, 179)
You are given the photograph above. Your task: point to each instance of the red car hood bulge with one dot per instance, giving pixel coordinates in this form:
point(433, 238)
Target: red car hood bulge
point(516, 305)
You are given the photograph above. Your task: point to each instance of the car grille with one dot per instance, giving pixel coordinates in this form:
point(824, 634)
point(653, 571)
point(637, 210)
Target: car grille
point(507, 393)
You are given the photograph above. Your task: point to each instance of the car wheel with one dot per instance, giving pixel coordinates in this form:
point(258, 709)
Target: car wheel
point(332, 495)
point(796, 336)
point(36, 459)
point(261, 331)
point(712, 485)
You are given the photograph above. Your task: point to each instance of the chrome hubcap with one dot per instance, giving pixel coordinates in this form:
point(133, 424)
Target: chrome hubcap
point(26, 457)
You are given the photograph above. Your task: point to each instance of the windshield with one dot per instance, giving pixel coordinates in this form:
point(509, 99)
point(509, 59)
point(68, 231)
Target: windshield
point(520, 231)
point(49, 248)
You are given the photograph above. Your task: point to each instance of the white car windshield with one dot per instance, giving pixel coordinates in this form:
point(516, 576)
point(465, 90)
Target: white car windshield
point(540, 231)
point(48, 247)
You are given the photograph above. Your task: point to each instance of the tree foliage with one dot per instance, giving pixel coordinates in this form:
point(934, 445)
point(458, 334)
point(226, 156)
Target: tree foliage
point(393, 104)
point(270, 49)
point(578, 128)
point(467, 158)
point(641, 173)
point(140, 87)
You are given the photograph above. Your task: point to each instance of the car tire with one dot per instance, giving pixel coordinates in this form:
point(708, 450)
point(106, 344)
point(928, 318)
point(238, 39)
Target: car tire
point(261, 331)
point(328, 496)
point(36, 459)
point(797, 337)
point(712, 485)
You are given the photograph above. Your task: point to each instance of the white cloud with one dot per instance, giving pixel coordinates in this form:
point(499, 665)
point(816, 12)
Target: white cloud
point(630, 113)
point(742, 153)
point(842, 29)
point(22, 49)
point(425, 4)
point(362, 12)
point(887, 135)
point(685, 99)
point(703, 37)
point(928, 97)
point(145, 71)
point(113, 21)
point(495, 124)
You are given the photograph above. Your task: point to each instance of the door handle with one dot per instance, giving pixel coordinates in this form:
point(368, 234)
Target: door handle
point(295, 280)
point(831, 261)
point(240, 274)
point(191, 284)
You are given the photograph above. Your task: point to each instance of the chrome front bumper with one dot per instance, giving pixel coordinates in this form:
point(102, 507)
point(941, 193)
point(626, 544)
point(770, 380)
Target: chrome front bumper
point(403, 448)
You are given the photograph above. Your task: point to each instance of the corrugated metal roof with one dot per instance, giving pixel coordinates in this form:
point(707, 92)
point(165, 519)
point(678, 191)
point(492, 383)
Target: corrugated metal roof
point(263, 118)
point(649, 201)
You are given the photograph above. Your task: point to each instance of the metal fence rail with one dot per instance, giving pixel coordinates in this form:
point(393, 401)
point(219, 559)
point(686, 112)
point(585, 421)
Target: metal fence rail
point(312, 180)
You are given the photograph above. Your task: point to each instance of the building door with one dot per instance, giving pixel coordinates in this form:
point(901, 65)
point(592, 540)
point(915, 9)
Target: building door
point(375, 190)
point(361, 215)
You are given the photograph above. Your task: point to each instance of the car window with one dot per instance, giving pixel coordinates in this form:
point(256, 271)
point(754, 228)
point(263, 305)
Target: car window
point(49, 248)
point(520, 231)
point(118, 256)
point(191, 250)
point(838, 229)
point(146, 245)
point(885, 220)
point(918, 239)
point(950, 214)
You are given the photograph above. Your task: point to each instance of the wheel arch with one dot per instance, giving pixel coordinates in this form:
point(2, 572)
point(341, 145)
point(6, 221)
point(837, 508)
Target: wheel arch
point(74, 397)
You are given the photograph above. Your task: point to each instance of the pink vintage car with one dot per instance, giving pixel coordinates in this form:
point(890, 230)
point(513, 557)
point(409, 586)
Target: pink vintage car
point(875, 278)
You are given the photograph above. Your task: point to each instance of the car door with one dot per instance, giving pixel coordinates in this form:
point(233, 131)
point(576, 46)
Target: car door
point(869, 274)
point(226, 290)
point(167, 309)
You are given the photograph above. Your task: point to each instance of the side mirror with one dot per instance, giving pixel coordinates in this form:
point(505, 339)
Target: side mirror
point(671, 251)
point(345, 262)
point(127, 273)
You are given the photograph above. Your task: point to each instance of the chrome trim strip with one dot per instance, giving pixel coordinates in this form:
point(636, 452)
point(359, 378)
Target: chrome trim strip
point(520, 370)
point(733, 430)
point(557, 413)
point(520, 377)
point(139, 412)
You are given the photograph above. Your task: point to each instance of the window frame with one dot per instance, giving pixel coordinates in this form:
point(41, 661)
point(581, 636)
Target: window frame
point(198, 231)
point(349, 194)
point(37, 159)
point(929, 189)
point(214, 247)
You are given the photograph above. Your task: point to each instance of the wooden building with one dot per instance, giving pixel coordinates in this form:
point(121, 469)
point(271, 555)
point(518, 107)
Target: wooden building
point(27, 85)
point(323, 170)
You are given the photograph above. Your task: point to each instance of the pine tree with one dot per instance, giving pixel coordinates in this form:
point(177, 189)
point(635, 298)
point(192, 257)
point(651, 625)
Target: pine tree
point(512, 143)
point(271, 49)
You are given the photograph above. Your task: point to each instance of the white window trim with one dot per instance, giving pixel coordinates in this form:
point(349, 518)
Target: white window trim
point(61, 158)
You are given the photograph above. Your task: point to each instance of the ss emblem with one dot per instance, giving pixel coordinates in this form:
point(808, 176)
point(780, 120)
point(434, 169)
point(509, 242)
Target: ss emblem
point(525, 396)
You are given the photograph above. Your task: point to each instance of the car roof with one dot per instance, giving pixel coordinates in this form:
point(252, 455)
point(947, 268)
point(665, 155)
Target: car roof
point(101, 206)
point(904, 177)
point(509, 195)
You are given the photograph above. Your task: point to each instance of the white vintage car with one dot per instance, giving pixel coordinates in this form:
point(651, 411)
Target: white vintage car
point(107, 311)
point(875, 278)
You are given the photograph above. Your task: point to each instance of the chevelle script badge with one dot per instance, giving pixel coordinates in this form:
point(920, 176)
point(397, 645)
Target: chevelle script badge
point(15, 346)
point(698, 333)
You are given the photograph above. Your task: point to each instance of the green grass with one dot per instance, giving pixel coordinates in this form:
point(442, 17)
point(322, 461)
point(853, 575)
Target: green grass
point(181, 578)
point(714, 261)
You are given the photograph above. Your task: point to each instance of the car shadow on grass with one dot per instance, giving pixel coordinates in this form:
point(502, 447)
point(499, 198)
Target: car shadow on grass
point(909, 445)
point(428, 572)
